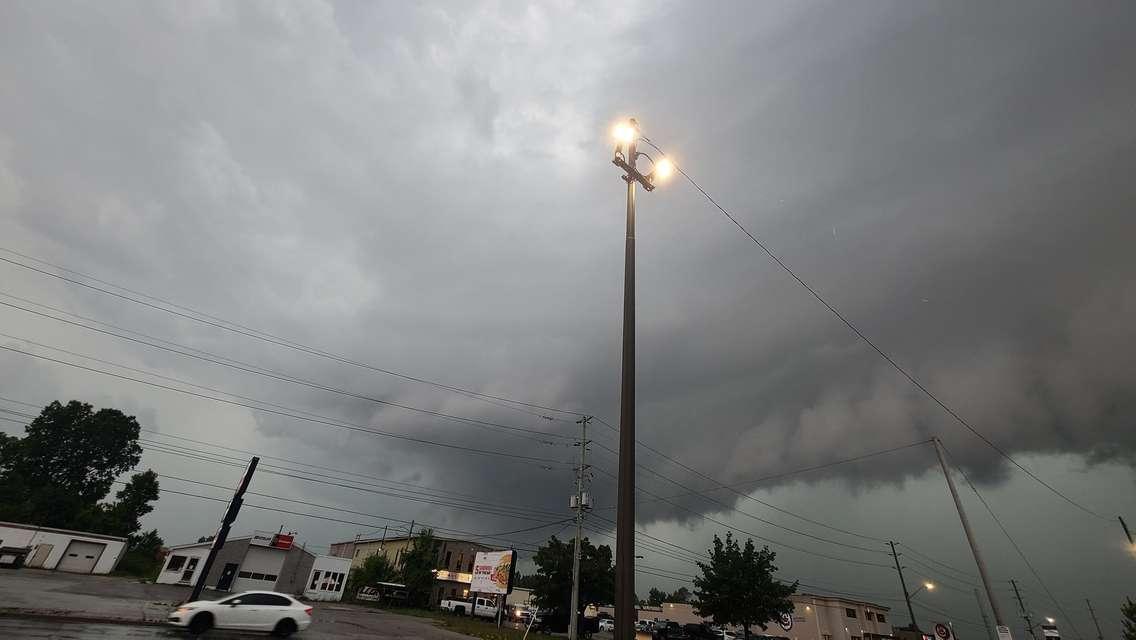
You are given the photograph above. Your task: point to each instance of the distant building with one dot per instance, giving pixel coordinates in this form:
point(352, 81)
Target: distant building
point(454, 560)
point(814, 617)
point(262, 561)
point(59, 549)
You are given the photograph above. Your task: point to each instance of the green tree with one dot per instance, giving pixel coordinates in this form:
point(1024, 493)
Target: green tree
point(66, 463)
point(375, 568)
point(655, 597)
point(1129, 612)
point(737, 586)
point(553, 588)
point(418, 564)
point(682, 594)
point(143, 555)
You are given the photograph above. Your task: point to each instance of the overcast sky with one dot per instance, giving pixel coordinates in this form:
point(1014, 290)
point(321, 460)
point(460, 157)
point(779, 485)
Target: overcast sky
point(427, 189)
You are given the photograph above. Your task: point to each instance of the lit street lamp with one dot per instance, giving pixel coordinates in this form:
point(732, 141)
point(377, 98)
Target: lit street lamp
point(927, 586)
point(626, 136)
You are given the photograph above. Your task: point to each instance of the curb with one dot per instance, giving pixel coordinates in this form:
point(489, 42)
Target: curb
point(62, 616)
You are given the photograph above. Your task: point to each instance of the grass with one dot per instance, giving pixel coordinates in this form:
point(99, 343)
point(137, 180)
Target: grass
point(475, 627)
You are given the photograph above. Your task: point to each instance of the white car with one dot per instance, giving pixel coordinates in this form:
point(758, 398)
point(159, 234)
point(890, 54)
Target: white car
point(281, 614)
point(607, 624)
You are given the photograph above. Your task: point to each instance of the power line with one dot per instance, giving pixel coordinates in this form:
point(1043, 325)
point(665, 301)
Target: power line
point(883, 354)
point(257, 334)
point(298, 415)
point(247, 367)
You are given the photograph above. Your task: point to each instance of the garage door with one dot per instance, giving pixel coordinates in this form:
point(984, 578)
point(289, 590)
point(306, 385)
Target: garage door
point(80, 557)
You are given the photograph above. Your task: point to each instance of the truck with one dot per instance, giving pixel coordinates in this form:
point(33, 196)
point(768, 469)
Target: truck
point(478, 607)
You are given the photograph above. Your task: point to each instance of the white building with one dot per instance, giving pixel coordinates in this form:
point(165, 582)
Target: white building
point(264, 561)
point(328, 578)
point(63, 550)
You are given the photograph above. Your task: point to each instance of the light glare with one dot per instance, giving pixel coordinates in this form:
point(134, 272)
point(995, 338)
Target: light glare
point(623, 132)
point(930, 586)
point(664, 169)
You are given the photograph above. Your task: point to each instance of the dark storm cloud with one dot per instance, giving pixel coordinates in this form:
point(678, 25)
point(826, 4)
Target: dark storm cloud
point(427, 188)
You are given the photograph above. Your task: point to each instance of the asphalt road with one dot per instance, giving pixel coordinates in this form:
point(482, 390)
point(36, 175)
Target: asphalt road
point(349, 625)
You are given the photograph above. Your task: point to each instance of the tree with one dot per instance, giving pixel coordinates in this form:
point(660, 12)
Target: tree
point(375, 568)
point(682, 594)
point(737, 586)
point(143, 556)
point(656, 597)
point(553, 588)
point(1129, 613)
point(67, 462)
point(418, 564)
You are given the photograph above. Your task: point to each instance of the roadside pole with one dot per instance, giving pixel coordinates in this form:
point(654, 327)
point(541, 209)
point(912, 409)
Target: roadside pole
point(903, 584)
point(223, 531)
point(1003, 630)
point(1100, 636)
point(1022, 606)
point(985, 619)
point(573, 620)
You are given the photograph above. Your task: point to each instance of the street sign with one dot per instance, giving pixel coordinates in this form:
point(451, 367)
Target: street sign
point(1004, 633)
point(786, 621)
point(942, 631)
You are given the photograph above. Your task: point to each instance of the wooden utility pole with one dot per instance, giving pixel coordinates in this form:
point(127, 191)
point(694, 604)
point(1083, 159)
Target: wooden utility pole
point(223, 531)
point(1022, 606)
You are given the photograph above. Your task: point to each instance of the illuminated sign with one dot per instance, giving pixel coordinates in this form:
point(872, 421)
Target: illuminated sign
point(493, 572)
point(454, 576)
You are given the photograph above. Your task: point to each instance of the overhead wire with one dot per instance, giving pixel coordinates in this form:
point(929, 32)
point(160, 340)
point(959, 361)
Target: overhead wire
point(213, 358)
point(868, 341)
point(298, 415)
point(215, 321)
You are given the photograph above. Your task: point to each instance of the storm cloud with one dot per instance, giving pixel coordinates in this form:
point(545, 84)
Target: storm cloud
point(427, 189)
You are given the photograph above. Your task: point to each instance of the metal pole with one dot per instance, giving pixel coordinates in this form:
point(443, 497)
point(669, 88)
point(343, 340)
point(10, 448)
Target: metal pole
point(1126, 531)
point(625, 514)
point(969, 536)
point(903, 583)
point(1022, 606)
point(223, 531)
point(985, 619)
point(1100, 636)
point(573, 622)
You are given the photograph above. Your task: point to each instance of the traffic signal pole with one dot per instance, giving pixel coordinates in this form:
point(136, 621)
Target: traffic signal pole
point(223, 531)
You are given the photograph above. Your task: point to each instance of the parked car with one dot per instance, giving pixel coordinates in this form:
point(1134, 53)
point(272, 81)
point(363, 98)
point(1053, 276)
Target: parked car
point(557, 622)
point(279, 613)
point(669, 631)
point(607, 624)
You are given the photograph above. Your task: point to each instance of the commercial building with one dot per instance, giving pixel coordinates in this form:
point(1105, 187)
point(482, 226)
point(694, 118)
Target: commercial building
point(328, 578)
point(454, 561)
point(60, 549)
point(814, 617)
point(262, 561)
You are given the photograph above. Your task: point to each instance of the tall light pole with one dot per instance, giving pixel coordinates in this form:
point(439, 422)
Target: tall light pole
point(626, 135)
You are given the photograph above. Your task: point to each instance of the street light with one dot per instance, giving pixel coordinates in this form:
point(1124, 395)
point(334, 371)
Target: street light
point(1051, 620)
point(927, 586)
point(626, 156)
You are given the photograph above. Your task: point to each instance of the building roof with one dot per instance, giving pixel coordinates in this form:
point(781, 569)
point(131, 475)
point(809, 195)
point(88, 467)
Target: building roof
point(405, 538)
point(209, 543)
point(841, 599)
point(86, 534)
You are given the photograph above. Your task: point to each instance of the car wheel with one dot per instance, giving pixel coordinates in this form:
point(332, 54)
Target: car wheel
point(284, 628)
point(201, 623)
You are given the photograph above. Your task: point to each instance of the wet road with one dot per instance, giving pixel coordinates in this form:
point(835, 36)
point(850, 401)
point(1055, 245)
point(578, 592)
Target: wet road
point(48, 629)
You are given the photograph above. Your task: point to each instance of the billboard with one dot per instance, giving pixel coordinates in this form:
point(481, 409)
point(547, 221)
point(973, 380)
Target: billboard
point(493, 572)
point(270, 539)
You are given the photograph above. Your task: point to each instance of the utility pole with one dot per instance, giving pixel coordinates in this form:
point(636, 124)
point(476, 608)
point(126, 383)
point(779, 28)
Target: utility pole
point(1022, 606)
point(1126, 531)
point(985, 619)
point(625, 156)
point(973, 545)
point(580, 505)
point(223, 531)
point(1100, 636)
point(903, 583)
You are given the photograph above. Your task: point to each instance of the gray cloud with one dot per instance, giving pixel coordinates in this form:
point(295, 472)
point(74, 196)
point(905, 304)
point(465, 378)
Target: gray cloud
point(427, 189)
